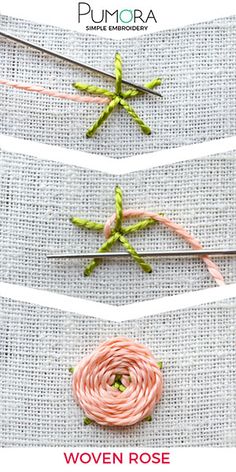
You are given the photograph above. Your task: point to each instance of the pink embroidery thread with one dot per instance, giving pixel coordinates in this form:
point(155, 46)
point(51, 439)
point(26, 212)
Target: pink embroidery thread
point(53, 93)
point(94, 383)
point(194, 243)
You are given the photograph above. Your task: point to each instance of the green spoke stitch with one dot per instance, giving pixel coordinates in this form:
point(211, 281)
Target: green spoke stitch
point(86, 223)
point(93, 89)
point(140, 261)
point(118, 233)
point(119, 208)
point(118, 97)
point(133, 93)
point(145, 128)
point(118, 73)
point(104, 248)
point(103, 117)
point(138, 226)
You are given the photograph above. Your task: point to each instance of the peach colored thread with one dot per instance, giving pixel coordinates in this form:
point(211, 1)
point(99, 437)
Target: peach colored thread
point(53, 93)
point(94, 376)
point(194, 243)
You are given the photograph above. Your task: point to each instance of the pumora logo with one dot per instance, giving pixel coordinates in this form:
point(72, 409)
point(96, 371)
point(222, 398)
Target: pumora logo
point(114, 19)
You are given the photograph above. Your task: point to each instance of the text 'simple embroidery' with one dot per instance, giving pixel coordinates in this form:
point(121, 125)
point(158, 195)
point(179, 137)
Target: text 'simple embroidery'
point(118, 232)
point(118, 384)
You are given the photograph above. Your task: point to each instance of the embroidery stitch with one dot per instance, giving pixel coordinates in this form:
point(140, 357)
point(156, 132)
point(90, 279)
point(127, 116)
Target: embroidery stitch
point(119, 234)
point(117, 98)
point(118, 384)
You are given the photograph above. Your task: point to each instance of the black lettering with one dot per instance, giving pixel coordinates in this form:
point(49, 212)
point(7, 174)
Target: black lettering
point(138, 14)
point(84, 12)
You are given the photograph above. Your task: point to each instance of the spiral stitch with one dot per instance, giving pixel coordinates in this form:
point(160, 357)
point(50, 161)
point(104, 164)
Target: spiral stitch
point(118, 384)
point(117, 98)
point(119, 232)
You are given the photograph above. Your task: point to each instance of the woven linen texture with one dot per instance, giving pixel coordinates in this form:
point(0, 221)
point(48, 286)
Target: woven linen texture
point(197, 64)
point(197, 346)
point(39, 196)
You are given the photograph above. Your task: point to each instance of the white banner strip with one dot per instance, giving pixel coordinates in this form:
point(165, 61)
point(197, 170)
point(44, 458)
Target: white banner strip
point(180, 459)
point(116, 166)
point(118, 19)
point(116, 313)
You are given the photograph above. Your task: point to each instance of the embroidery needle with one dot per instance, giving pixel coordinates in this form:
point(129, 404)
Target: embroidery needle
point(74, 62)
point(185, 253)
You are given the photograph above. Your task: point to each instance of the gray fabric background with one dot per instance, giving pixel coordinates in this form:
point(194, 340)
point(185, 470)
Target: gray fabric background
point(38, 197)
point(197, 63)
point(197, 346)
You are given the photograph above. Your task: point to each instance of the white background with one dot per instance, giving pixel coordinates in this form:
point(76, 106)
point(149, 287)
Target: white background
point(181, 459)
point(169, 13)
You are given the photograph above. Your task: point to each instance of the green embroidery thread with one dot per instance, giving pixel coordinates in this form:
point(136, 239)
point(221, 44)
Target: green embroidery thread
point(117, 98)
point(118, 234)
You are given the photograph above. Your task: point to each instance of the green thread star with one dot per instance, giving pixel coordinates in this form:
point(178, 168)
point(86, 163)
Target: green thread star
point(117, 234)
point(117, 98)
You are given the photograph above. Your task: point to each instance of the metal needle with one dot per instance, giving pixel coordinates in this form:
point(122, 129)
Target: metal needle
point(185, 253)
point(74, 62)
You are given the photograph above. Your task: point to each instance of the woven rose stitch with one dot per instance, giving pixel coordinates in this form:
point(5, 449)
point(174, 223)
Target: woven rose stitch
point(118, 384)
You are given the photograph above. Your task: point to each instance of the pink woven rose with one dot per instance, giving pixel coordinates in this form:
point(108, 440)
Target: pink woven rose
point(118, 384)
